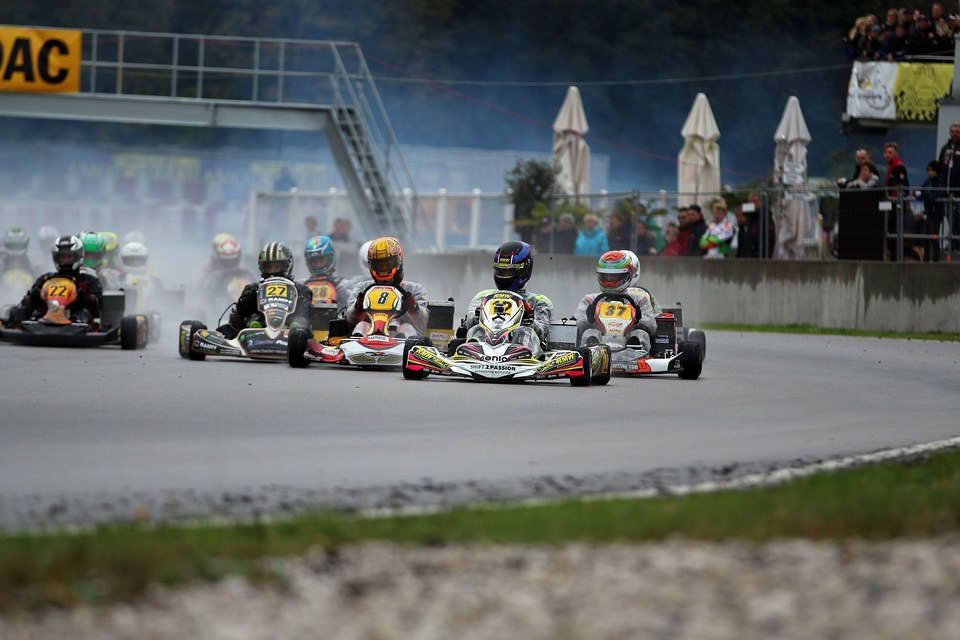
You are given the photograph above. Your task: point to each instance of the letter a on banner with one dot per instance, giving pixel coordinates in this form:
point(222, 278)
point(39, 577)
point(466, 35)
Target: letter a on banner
point(39, 60)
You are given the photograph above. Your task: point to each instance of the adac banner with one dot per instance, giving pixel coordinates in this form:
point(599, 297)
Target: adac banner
point(905, 91)
point(39, 60)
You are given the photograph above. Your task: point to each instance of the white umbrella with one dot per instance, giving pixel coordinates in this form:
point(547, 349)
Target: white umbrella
point(698, 170)
point(790, 167)
point(570, 151)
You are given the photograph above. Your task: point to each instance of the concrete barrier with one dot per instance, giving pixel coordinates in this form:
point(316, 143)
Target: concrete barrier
point(876, 296)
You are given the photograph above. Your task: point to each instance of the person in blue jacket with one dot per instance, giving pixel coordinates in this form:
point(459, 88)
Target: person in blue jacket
point(591, 241)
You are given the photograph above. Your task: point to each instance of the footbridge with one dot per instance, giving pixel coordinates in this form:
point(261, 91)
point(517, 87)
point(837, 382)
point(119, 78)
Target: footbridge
point(216, 81)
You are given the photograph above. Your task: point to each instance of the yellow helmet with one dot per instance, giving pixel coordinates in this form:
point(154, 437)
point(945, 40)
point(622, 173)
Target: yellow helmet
point(385, 258)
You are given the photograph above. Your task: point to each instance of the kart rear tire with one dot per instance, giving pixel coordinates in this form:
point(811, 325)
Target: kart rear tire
point(586, 357)
point(691, 360)
point(188, 329)
point(130, 333)
point(297, 341)
point(410, 374)
point(698, 336)
point(603, 377)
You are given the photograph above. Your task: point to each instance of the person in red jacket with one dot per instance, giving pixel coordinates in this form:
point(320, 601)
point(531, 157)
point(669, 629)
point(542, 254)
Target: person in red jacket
point(896, 180)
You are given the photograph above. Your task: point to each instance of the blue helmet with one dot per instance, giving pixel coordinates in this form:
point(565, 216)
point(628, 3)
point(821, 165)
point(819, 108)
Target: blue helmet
point(320, 255)
point(512, 265)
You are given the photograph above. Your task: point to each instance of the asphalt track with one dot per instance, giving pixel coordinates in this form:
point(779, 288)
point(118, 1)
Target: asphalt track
point(91, 435)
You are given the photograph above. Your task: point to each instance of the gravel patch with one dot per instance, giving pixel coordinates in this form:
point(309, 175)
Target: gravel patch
point(672, 590)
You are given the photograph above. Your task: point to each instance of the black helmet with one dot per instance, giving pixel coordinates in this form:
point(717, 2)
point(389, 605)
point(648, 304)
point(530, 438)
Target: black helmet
point(275, 260)
point(512, 265)
point(67, 253)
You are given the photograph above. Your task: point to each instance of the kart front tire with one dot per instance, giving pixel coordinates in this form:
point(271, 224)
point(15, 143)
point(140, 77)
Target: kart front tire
point(411, 374)
point(603, 377)
point(188, 329)
point(130, 333)
point(586, 358)
point(691, 360)
point(297, 341)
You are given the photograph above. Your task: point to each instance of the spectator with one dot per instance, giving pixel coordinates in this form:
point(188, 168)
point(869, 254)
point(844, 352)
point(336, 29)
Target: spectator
point(867, 177)
point(618, 232)
point(716, 240)
point(341, 230)
point(943, 42)
point(284, 181)
point(671, 236)
point(591, 241)
point(861, 156)
point(933, 195)
point(565, 237)
point(908, 23)
point(757, 235)
point(949, 158)
point(897, 182)
point(646, 240)
point(683, 228)
point(857, 41)
point(892, 19)
point(696, 226)
point(541, 239)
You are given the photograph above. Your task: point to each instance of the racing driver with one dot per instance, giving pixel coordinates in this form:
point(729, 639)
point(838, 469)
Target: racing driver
point(512, 267)
point(67, 254)
point(617, 273)
point(275, 261)
point(385, 259)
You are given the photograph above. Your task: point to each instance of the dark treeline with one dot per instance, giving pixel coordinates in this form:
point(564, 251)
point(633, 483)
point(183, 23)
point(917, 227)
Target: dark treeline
point(638, 64)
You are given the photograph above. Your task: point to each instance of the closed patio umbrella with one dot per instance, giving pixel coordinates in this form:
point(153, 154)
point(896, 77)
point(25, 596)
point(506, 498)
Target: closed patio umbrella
point(571, 153)
point(698, 171)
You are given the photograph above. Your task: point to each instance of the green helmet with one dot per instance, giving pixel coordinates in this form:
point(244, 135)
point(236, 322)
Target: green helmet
point(94, 249)
point(111, 248)
point(16, 241)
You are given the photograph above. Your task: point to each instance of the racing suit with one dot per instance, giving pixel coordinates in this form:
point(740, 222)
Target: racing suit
point(89, 297)
point(535, 330)
point(413, 322)
point(246, 311)
point(645, 325)
point(341, 288)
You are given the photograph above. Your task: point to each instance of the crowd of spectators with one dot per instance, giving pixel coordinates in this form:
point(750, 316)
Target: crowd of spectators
point(691, 235)
point(902, 34)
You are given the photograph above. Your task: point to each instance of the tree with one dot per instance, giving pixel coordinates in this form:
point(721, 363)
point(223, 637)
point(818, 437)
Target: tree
point(530, 182)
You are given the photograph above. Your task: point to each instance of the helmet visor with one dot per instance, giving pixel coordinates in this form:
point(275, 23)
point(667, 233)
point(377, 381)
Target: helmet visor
point(134, 261)
point(65, 258)
point(319, 264)
point(273, 268)
point(613, 279)
point(384, 268)
point(94, 257)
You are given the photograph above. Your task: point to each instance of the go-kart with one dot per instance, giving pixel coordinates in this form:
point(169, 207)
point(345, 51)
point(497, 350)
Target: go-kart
point(146, 295)
point(59, 327)
point(488, 352)
point(276, 299)
point(379, 346)
point(615, 317)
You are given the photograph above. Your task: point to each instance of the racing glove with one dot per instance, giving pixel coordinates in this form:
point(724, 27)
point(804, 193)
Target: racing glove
point(527, 319)
point(592, 311)
point(409, 302)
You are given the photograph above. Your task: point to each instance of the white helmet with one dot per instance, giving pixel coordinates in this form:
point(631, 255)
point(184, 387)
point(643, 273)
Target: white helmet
point(47, 234)
point(133, 257)
point(635, 261)
point(362, 256)
point(134, 236)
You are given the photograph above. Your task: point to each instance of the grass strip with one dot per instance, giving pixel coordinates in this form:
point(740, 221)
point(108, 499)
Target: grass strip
point(118, 563)
point(827, 331)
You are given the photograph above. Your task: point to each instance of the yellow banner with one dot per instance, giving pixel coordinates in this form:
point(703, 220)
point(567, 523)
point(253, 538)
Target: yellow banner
point(39, 60)
point(917, 88)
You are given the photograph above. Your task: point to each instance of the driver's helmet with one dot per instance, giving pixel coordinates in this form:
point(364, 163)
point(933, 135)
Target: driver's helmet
point(615, 271)
point(67, 254)
point(320, 255)
point(385, 258)
point(16, 241)
point(133, 257)
point(94, 249)
point(227, 254)
point(111, 247)
point(512, 265)
point(47, 234)
point(276, 260)
point(362, 256)
point(219, 239)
